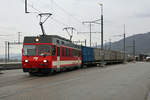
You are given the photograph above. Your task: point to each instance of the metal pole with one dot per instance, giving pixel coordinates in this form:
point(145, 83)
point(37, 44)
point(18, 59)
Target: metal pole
point(42, 28)
point(96, 44)
point(8, 52)
point(19, 37)
point(5, 51)
point(85, 42)
point(90, 34)
point(102, 37)
point(102, 27)
point(134, 49)
point(110, 44)
point(26, 8)
point(70, 33)
point(124, 44)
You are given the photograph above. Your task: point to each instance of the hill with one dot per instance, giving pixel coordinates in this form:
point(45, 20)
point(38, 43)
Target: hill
point(142, 44)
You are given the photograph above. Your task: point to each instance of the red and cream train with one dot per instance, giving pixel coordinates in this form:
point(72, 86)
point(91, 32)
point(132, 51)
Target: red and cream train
point(49, 53)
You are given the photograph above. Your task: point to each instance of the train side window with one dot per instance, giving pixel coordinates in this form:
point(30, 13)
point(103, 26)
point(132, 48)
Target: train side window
point(79, 53)
point(53, 50)
point(63, 51)
point(66, 52)
point(76, 53)
point(71, 52)
point(58, 41)
point(58, 51)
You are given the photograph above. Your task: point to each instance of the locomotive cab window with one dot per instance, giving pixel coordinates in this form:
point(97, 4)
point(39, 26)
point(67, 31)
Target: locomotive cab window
point(43, 50)
point(29, 50)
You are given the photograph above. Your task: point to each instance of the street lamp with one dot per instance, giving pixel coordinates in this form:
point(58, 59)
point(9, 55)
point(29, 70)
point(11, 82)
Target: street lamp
point(102, 45)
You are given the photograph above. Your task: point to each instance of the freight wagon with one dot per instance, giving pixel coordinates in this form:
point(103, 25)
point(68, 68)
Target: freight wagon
point(94, 56)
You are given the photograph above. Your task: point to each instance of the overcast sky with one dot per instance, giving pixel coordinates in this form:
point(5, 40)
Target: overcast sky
point(134, 13)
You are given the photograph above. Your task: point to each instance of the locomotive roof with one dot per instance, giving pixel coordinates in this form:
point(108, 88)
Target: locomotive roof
point(45, 38)
point(55, 39)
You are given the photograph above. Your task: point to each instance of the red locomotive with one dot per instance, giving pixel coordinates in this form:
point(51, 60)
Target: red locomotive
point(49, 53)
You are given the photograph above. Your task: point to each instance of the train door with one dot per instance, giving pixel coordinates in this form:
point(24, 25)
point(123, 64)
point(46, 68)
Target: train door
point(58, 57)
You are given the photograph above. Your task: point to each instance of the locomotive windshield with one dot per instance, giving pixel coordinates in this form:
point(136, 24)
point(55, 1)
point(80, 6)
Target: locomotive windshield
point(29, 50)
point(43, 50)
point(39, 50)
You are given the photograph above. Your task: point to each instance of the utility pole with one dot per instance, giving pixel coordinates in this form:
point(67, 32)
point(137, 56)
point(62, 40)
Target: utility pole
point(96, 44)
point(90, 23)
point(19, 34)
point(85, 42)
point(134, 49)
point(124, 46)
point(90, 33)
point(6, 51)
point(102, 37)
point(102, 27)
point(110, 44)
point(70, 33)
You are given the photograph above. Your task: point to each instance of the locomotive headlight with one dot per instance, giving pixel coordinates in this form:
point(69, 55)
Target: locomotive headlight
point(37, 40)
point(26, 61)
point(45, 61)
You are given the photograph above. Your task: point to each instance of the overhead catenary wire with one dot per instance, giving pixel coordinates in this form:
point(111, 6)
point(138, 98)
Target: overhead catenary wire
point(69, 14)
point(61, 8)
point(65, 11)
point(62, 24)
